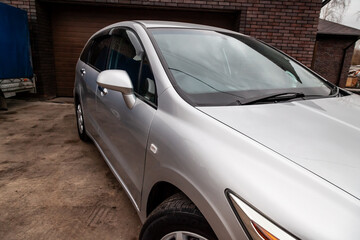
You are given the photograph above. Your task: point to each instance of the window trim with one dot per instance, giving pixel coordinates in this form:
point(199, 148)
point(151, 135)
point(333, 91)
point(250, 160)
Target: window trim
point(146, 100)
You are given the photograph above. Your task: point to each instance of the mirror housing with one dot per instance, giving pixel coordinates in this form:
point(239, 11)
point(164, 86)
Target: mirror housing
point(118, 80)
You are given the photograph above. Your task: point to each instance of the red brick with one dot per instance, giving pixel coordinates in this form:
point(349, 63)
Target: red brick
point(290, 25)
point(329, 55)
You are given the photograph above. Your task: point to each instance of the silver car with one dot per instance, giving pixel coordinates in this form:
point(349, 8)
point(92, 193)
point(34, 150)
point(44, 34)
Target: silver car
point(216, 135)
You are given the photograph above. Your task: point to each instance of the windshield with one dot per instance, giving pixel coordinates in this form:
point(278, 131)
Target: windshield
point(214, 68)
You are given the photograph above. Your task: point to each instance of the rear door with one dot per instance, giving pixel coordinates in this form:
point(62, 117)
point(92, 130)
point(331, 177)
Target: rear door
point(97, 60)
point(124, 132)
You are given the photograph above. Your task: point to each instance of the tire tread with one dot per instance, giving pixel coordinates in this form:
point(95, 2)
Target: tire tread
point(180, 208)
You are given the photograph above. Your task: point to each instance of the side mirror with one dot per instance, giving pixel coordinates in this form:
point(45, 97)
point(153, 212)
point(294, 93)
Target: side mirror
point(118, 80)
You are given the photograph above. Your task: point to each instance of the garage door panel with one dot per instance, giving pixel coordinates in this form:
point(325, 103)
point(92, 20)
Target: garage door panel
point(73, 25)
point(62, 49)
point(71, 41)
point(66, 65)
point(66, 85)
point(64, 91)
point(63, 75)
point(65, 57)
point(74, 34)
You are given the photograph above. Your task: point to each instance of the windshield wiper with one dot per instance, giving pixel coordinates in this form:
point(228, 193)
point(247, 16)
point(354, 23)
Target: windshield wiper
point(274, 97)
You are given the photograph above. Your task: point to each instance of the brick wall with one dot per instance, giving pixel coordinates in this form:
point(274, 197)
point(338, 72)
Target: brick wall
point(289, 25)
point(329, 55)
point(43, 55)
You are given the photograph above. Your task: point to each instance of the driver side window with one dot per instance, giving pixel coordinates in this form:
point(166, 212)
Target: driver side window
point(126, 53)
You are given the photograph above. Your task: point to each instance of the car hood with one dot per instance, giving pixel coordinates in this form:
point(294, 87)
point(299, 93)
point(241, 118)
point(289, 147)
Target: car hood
point(320, 135)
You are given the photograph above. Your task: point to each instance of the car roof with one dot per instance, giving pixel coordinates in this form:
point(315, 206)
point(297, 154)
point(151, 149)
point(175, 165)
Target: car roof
point(150, 24)
point(170, 24)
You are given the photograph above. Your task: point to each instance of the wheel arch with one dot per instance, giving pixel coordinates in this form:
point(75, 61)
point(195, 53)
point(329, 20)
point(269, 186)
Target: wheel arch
point(162, 190)
point(158, 193)
point(167, 181)
point(76, 96)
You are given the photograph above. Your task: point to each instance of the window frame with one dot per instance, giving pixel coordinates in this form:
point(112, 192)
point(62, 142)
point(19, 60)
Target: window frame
point(113, 33)
point(184, 96)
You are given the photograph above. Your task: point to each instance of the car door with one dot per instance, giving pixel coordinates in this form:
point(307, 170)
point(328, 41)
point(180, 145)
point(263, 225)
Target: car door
point(124, 132)
point(96, 62)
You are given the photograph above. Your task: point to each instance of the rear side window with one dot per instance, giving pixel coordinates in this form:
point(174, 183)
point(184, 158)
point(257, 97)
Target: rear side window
point(99, 53)
point(85, 54)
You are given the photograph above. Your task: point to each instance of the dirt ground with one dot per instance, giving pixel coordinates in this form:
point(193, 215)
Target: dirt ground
point(52, 185)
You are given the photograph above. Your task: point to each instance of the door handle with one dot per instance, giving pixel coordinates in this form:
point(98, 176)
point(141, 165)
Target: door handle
point(103, 91)
point(82, 71)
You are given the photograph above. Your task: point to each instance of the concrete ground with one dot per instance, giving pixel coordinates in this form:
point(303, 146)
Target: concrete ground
point(52, 185)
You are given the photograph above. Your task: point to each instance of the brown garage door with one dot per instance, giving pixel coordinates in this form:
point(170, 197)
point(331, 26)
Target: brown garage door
point(73, 25)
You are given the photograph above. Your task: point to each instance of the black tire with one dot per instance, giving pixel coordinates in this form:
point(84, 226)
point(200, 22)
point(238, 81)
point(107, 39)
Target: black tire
point(177, 213)
point(81, 130)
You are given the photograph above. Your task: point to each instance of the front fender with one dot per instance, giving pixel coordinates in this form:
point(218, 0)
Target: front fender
point(181, 161)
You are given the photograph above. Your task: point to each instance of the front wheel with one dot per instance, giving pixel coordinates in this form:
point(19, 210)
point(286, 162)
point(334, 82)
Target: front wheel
point(177, 218)
point(80, 122)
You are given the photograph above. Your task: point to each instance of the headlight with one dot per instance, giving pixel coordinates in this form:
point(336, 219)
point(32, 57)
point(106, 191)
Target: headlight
point(256, 226)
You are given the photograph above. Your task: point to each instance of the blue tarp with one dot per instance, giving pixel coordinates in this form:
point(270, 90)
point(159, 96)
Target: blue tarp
point(14, 43)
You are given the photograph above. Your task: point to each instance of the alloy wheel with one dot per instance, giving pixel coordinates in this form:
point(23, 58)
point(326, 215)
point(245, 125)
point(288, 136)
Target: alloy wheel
point(181, 235)
point(80, 118)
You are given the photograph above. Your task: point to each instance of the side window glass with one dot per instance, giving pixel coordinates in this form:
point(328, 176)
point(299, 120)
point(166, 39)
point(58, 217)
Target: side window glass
point(99, 53)
point(127, 54)
point(85, 54)
point(147, 81)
